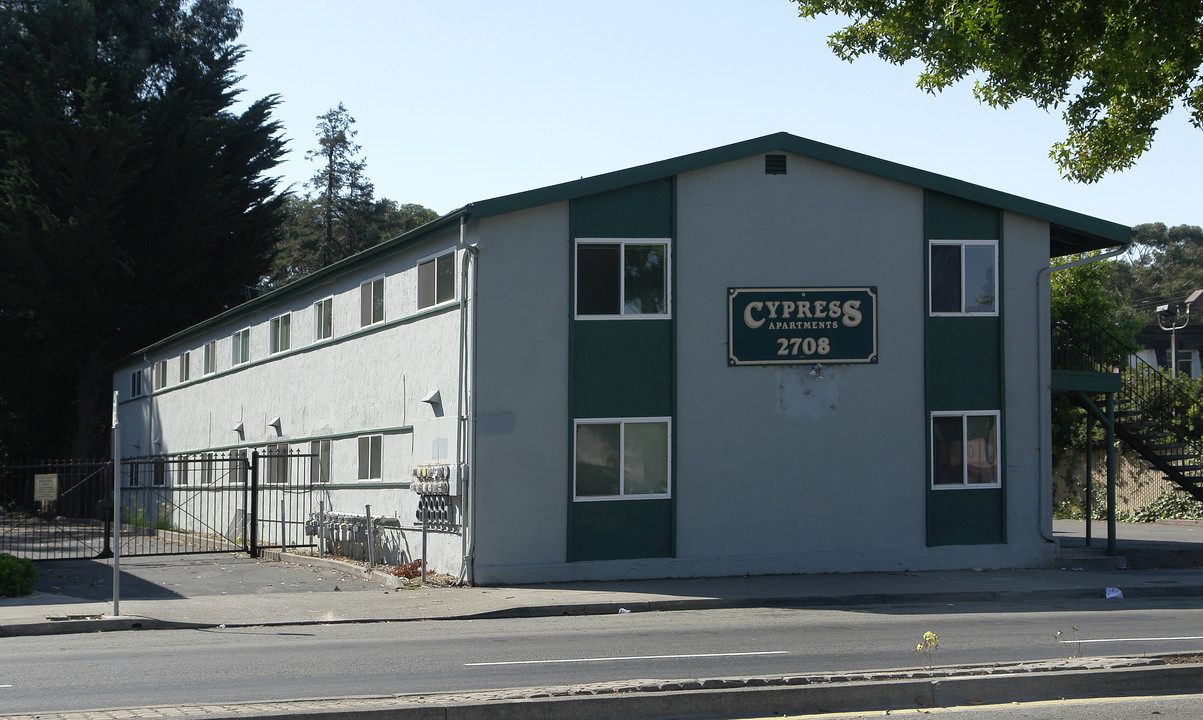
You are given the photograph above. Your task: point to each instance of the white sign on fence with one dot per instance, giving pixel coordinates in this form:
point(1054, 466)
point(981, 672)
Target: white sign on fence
point(45, 487)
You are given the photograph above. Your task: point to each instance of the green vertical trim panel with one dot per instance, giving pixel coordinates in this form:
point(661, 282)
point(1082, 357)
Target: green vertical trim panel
point(621, 529)
point(622, 368)
point(963, 370)
point(953, 218)
point(643, 210)
point(964, 365)
point(965, 517)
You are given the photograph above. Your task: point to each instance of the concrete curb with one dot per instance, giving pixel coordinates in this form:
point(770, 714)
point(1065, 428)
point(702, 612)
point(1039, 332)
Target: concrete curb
point(728, 697)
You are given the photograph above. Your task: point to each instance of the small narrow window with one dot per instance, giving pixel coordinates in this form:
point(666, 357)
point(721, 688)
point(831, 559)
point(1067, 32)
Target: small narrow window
point(210, 357)
point(185, 367)
point(371, 302)
point(206, 470)
point(436, 280)
point(281, 333)
point(238, 467)
point(160, 375)
point(319, 462)
point(135, 384)
point(964, 277)
point(622, 278)
point(323, 322)
point(241, 347)
point(369, 457)
point(159, 472)
point(276, 467)
point(181, 471)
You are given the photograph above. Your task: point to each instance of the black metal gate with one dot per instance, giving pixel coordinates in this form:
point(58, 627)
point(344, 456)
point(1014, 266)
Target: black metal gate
point(55, 510)
point(170, 504)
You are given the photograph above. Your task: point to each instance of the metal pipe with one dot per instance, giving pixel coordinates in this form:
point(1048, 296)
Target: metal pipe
point(371, 539)
point(321, 528)
point(116, 509)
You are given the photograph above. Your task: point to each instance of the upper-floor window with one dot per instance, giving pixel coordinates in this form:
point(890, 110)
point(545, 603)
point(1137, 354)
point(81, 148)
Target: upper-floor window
point(371, 302)
point(369, 457)
point(185, 366)
point(242, 346)
point(964, 277)
point(135, 383)
point(160, 375)
point(281, 333)
point(210, 357)
point(323, 320)
point(626, 278)
point(436, 280)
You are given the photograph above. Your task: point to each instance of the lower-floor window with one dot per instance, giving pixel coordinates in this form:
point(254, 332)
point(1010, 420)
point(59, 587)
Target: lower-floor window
point(319, 463)
point(276, 468)
point(622, 458)
point(369, 457)
point(964, 449)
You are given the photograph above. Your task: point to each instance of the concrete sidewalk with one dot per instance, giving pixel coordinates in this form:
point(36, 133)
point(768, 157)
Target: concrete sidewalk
point(215, 590)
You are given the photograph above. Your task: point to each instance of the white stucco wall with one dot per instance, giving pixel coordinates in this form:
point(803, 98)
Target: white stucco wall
point(361, 381)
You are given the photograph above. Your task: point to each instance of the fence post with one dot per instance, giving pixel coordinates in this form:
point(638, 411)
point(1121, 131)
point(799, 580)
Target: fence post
point(254, 519)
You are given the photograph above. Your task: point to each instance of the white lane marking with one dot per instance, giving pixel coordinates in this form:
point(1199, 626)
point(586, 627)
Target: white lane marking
point(5, 686)
point(628, 657)
point(1140, 639)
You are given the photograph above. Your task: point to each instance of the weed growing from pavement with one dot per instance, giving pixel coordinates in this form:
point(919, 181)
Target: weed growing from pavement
point(1077, 644)
point(931, 641)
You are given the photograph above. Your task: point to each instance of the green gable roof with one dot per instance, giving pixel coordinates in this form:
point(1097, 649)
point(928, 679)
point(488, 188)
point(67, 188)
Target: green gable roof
point(1070, 232)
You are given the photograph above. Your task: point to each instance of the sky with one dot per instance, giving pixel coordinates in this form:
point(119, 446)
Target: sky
point(457, 103)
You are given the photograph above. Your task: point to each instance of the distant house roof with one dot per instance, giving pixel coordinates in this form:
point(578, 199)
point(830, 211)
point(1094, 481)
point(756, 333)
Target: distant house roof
point(1070, 232)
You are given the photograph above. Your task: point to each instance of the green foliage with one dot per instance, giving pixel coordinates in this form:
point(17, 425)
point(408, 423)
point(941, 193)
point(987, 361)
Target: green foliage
point(340, 216)
point(1174, 505)
point(133, 201)
point(1114, 67)
point(16, 576)
point(1165, 266)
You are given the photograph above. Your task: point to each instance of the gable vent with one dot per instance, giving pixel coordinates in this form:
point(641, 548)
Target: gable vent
point(774, 164)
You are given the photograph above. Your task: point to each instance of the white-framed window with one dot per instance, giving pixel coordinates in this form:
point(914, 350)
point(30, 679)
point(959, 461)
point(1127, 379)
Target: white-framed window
point(160, 375)
point(964, 449)
point(281, 333)
point(181, 471)
point(436, 279)
point(135, 383)
point(323, 319)
point(276, 467)
point(210, 357)
point(623, 278)
point(238, 466)
point(185, 366)
point(1188, 363)
point(319, 464)
point(371, 302)
point(963, 277)
point(241, 342)
point(159, 472)
point(370, 447)
point(206, 469)
point(622, 458)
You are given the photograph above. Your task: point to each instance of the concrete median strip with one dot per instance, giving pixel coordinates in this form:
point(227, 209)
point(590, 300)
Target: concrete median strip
point(727, 697)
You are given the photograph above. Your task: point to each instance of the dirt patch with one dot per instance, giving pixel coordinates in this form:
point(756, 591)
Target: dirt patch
point(1183, 659)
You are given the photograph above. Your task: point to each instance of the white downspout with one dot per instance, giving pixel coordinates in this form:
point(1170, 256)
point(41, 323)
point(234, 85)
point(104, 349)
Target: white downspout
point(466, 405)
point(1045, 419)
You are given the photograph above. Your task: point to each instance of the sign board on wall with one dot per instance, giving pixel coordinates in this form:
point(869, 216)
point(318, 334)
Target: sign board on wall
point(783, 326)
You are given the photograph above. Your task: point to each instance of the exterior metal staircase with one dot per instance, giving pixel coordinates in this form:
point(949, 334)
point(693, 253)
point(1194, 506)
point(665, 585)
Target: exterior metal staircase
point(1152, 415)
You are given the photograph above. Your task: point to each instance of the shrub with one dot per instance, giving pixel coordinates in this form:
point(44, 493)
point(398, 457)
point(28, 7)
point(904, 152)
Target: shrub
point(16, 576)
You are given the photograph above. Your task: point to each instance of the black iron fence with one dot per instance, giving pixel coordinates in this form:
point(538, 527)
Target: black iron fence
point(169, 504)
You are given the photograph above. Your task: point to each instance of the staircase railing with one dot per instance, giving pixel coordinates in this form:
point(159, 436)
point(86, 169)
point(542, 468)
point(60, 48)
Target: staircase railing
point(1156, 417)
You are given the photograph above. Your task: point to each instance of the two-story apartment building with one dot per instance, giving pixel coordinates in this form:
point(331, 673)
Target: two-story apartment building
point(773, 356)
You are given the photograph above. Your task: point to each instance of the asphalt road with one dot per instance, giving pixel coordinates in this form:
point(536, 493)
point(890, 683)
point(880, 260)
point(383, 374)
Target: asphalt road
point(59, 673)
